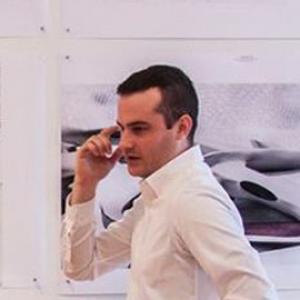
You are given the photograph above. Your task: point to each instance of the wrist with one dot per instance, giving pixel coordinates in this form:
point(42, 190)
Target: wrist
point(82, 192)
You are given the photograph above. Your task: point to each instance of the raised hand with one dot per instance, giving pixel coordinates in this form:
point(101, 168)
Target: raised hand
point(94, 160)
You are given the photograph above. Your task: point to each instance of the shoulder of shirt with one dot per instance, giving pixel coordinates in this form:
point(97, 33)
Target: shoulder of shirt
point(201, 190)
point(208, 208)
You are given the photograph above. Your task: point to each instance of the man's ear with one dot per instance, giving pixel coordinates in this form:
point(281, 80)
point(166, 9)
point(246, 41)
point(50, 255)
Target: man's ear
point(185, 123)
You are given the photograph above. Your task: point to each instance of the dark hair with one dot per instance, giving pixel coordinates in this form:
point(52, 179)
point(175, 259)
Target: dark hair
point(178, 93)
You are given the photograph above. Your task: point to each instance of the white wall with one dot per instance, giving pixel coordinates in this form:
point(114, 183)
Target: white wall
point(45, 49)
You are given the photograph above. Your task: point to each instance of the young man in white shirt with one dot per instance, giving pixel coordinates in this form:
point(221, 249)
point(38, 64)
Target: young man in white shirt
point(183, 226)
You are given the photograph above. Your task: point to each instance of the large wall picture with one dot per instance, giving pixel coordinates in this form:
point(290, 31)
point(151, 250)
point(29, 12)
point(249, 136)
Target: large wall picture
point(249, 127)
point(249, 134)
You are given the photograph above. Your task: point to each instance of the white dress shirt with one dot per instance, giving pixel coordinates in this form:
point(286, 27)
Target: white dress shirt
point(182, 229)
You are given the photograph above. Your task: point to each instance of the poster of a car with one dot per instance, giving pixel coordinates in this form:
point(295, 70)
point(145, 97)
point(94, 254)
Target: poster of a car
point(248, 133)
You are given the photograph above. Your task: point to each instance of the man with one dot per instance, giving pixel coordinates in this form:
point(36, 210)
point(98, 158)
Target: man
point(183, 225)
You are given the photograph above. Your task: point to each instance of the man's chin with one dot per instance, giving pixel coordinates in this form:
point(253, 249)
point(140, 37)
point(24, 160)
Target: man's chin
point(136, 172)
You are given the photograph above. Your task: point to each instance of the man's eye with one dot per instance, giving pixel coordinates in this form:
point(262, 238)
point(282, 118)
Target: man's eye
point(138, 129)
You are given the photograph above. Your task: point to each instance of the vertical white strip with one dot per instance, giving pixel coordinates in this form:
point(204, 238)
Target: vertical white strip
point(23, 201)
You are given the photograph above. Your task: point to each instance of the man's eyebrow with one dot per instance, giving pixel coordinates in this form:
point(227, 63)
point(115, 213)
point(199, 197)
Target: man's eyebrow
point(135, 123)
point(119, 124)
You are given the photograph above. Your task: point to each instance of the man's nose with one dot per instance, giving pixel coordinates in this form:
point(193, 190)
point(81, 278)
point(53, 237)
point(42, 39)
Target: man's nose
point(126, 141)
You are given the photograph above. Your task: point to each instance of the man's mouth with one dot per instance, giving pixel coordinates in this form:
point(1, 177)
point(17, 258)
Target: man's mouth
point(131, 158)
point(126, 158)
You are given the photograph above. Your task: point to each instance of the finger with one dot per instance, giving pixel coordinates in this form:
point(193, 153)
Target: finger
point(104, 144)
point(83, 149)
point(98, 145)
point(107, 132)
point(93, 148)
point(117, 154)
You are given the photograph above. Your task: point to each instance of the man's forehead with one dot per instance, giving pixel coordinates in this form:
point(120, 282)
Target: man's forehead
point(152, 94)
point(139, 106)
point(131, 116)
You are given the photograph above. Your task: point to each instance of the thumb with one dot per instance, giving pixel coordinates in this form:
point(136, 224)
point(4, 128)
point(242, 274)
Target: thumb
point(116, 155)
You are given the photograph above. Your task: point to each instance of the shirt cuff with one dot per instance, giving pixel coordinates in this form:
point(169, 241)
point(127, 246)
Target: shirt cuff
point(81, 211)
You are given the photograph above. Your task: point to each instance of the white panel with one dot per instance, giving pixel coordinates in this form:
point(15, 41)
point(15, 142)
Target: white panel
point(0, 169)
point(15, 294)
point(181, 18)
point(30, 294)
point(23, 161)
point(22, 18)
point(114, 282)
point(0, 124)
point(111, 62)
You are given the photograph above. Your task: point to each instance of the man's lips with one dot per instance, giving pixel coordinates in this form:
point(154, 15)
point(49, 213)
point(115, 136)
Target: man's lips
point(131, 158)
point(128, 157)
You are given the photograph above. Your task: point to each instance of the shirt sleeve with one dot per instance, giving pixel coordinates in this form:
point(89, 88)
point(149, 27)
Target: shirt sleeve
point(88, 252)
point(211, 230)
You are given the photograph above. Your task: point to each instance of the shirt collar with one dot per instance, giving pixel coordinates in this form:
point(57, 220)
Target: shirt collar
point(154, 185)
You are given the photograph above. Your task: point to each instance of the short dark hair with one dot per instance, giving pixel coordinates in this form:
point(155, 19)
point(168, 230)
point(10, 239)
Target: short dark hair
point(178, 93)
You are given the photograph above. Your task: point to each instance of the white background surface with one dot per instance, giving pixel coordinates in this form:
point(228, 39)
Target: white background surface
point(22, 18)
point(181, 18)
point(47, 51)
point(23, 169)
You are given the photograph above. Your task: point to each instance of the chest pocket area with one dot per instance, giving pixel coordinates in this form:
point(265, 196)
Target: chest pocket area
point(152, 243)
